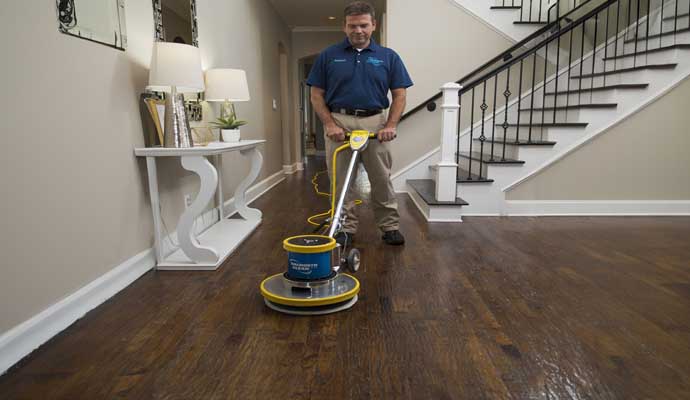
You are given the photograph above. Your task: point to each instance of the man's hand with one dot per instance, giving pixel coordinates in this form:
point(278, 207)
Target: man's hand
point(335, 132)
point(386, 134)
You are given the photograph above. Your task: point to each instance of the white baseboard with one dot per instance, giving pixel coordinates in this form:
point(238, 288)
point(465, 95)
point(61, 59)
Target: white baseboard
point(598, 207)
point(26, 337)
point(291, 169)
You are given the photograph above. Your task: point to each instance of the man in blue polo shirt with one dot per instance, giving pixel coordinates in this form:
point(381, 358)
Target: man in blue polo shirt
point(349, 83)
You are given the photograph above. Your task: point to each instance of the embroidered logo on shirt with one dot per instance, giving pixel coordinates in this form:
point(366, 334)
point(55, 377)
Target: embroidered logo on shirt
point(374, 61)
point(339, 60)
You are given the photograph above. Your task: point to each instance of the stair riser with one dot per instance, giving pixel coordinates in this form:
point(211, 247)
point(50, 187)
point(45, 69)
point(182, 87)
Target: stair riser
point(464, 163)
point(510, 151)
point(570, 115)
point(513, 131)
point(661, 57)
point(680, 37)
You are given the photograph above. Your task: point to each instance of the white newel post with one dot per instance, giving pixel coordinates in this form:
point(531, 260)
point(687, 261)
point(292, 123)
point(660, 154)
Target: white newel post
point(447, 168)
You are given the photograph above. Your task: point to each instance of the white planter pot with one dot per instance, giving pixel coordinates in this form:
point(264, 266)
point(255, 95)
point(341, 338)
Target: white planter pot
point(230, 135)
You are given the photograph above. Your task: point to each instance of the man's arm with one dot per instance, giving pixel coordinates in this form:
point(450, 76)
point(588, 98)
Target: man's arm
point(318, 101)
point(397, 107)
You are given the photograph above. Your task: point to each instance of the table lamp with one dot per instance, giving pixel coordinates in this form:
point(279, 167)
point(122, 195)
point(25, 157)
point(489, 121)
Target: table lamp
point(226, 85)
point(176, 69)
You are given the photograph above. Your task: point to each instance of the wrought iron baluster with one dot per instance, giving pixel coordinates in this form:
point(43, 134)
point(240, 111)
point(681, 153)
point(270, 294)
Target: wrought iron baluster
point(615, 43)
point(482, 138)
point(606, 43)
point(544, 84)
point(531, 106)
point(457, 147)
point(570, 68)
point(506, 94)
point(661, 22)
point(539, 15)
point(637, 32)
point(646, 34)
point(469, 172)
point(582, 55)
point(594, 58)
point(530, 10)
point(558, 59)
point(517, 128)
point(493, 118)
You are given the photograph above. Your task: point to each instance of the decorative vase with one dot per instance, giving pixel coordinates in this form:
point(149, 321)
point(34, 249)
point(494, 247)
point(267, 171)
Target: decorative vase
point(230, 135)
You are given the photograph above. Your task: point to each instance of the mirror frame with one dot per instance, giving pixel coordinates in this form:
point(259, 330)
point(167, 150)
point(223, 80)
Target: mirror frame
point(159, 34)
point(66, 15)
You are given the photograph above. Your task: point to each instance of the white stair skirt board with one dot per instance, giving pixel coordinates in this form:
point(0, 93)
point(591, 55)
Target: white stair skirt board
point(26, 337)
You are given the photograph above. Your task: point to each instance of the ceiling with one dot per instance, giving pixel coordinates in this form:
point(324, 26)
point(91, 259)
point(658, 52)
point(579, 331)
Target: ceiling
point(313, 13)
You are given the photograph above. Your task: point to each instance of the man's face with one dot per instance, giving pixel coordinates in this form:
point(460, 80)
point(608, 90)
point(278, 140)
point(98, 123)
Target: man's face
point(358, 29)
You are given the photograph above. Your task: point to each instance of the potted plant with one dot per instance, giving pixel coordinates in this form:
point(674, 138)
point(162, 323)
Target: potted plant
point(229, 127)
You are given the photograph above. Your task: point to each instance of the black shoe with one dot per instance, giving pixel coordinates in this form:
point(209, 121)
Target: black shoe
point(394, 238)
point(345, 239)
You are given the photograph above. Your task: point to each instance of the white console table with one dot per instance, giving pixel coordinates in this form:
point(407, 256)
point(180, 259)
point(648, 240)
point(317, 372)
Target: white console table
point(213, 246)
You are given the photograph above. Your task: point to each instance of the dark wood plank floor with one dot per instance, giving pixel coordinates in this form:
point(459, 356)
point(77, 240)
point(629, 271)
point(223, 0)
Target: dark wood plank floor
point(494, 308)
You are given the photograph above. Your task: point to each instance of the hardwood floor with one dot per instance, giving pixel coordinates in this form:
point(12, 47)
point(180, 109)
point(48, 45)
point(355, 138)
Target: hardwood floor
point(494, 308)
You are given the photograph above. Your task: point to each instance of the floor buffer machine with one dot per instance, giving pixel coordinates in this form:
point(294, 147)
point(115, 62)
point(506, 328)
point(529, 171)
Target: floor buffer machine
point(314, 283)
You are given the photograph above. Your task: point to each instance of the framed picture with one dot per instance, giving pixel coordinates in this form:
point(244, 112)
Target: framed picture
point(152, 110)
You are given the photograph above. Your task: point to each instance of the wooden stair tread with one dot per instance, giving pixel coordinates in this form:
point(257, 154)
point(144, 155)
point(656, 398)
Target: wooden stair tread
point(426, 188)
point(549, 125)
point(574, 106)
point(521, 142)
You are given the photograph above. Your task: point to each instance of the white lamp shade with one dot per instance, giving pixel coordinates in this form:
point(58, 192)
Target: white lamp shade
point(176, 64)
point(226, 84)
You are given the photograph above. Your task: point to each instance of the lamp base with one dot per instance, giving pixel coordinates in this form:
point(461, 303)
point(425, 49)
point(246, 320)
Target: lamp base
point(177, 133)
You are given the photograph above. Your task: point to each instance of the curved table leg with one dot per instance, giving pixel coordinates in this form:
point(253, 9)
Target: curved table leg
point(209, 179)
point(240, 192)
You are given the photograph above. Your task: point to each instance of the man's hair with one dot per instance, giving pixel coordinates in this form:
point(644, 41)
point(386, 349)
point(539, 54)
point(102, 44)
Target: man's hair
point(360, 8)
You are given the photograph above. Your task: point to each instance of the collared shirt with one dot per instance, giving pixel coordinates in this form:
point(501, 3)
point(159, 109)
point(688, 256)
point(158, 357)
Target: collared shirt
point(359, 80)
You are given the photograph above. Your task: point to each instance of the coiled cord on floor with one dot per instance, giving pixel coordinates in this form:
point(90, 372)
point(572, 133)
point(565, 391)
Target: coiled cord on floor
point(326, 223)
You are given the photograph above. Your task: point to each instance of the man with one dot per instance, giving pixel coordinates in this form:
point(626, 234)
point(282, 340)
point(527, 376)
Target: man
point(349, 91)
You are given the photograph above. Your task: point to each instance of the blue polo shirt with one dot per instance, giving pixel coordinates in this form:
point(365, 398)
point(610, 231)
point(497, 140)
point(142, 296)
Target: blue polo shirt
point(359, 80)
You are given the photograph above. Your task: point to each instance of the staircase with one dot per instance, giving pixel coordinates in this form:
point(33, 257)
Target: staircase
point(545, 97)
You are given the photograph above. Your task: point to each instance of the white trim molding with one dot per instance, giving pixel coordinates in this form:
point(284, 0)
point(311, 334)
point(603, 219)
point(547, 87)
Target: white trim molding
point(291, 169)
point(598, 207)
point(26, 337)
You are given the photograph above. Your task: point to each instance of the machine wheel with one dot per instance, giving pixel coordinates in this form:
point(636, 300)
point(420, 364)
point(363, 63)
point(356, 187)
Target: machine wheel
point(353, 260)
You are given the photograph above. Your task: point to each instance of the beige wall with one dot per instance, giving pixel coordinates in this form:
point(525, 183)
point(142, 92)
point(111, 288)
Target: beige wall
point(75, 202)
point(643, 158)
point(439, 43)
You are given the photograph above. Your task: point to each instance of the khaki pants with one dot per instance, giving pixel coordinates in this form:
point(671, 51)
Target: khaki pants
point(377, 161)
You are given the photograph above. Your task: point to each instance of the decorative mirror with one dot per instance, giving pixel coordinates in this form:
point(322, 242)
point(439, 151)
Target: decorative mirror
point(175, 21)
point(101, 21)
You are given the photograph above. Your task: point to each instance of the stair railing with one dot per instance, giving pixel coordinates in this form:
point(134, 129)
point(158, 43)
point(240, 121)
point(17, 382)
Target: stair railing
point(527, 91)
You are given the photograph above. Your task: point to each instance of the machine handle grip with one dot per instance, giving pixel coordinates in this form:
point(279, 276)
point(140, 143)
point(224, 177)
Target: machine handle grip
point(371, 134)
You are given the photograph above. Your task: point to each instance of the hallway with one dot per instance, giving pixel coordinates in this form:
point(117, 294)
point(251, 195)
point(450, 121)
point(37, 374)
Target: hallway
point(493, 308)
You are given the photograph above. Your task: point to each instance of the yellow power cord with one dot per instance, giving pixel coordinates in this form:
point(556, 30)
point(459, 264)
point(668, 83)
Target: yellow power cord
point(333, 188)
